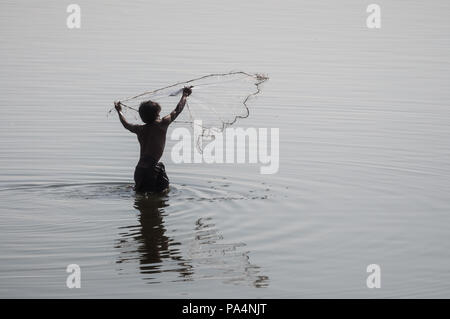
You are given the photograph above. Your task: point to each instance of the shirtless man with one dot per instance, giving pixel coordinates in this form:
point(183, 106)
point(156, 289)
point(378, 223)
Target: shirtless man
point(150, 174)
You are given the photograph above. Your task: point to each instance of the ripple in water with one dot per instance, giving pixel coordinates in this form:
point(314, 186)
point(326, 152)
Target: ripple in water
point(173, 238)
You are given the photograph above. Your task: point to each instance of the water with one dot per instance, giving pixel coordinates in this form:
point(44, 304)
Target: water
point(364, 152)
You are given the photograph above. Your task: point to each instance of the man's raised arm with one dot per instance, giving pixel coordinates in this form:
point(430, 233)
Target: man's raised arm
point(180, 106)
point(130, 127)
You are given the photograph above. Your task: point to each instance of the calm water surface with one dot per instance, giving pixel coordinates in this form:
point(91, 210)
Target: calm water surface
point(364, 151)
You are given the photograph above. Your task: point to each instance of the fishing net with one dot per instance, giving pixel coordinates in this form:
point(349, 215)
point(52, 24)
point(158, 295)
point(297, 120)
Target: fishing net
point(217, 101)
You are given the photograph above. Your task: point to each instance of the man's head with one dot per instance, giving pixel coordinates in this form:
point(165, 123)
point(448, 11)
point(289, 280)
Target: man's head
point(149, 111)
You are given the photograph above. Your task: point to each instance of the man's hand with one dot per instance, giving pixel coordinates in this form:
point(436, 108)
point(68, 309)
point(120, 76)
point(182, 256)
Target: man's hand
point(187, 90)
point(118, 106)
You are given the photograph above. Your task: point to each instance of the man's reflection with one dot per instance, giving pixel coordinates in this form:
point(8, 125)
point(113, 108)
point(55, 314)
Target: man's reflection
point(149, 245)
point(149, 241)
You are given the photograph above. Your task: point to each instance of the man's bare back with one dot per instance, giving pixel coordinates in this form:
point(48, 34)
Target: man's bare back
point(152, 139)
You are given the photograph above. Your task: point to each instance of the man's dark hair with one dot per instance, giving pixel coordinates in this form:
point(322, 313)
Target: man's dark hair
point(149, 111)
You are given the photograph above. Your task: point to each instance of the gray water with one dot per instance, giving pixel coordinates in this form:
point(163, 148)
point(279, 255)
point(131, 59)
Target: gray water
point(364, 173)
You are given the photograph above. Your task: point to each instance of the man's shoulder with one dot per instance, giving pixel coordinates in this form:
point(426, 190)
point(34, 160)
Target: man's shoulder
point(156, 125)
point(163, 123)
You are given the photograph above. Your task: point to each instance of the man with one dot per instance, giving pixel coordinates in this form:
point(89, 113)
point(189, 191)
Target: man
point(150, 174)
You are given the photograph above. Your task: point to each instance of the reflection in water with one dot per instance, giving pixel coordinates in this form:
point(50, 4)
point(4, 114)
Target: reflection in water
point(201, 255)
point(149, 242)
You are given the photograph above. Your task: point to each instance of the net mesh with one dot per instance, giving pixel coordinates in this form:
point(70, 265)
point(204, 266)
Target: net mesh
point(217, 101)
